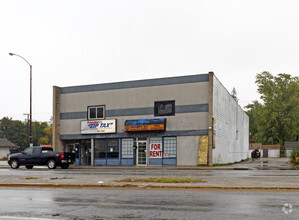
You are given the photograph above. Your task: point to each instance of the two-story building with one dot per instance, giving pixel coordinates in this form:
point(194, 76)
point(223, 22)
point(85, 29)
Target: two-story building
point(180, 121)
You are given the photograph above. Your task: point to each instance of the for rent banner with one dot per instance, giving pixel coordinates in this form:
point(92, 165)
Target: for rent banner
point(156, 149)
point(98, 126)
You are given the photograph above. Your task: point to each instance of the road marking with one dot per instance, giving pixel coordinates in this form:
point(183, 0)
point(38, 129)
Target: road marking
point(287, 208)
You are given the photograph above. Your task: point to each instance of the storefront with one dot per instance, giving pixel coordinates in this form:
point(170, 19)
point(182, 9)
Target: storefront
point(142, 149)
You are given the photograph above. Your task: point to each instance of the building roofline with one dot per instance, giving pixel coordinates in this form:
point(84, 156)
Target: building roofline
point(6, 143)
point(136, 83)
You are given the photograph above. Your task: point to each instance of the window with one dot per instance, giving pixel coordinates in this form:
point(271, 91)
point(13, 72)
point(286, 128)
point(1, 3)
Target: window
point(106, 148)
point(96, 112)
point(113, 148)
point(100, 148)
point(169, 147)
point(36, 150)
point(28, 150)
point(127, 148)
point(164, 108)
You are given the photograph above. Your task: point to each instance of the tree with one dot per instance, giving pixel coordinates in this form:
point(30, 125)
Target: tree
point(276, 119)
point(47, 139)
point(252, 112)
point(14, 131)
point(234, 94)
point(38, 131)
point(17, 132)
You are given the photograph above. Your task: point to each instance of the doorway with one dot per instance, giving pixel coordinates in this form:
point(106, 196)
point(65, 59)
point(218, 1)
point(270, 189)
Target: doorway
point(265, 153)
point(74, 148)
point(141, 152)
point(85, 153)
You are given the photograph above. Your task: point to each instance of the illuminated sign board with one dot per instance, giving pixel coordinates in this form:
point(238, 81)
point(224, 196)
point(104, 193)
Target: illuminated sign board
point(158, 124)
point(98, 126)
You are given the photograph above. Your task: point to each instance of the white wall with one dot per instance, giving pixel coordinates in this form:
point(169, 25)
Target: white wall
point(271, 153)
point(231, 128)
point(4, 151)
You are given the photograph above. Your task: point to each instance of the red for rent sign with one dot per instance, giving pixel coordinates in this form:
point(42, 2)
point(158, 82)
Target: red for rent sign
point(156, 150)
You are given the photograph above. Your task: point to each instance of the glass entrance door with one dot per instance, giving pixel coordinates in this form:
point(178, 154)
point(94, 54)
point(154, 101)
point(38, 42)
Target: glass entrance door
point(141, 153)
point(85, 153)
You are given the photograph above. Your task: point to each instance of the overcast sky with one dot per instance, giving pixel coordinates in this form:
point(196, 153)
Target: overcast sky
point(78, 42)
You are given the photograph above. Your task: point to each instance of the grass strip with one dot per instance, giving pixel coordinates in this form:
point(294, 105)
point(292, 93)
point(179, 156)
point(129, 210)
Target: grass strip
point(162, 180)
point(222, 164)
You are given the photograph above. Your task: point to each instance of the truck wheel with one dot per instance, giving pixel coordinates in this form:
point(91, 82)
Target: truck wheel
point(14, 164)
point(29, 167)
point(65, 166)
point(51, 164)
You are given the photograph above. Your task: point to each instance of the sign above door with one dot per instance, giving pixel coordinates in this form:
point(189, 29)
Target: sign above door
point(158, 124)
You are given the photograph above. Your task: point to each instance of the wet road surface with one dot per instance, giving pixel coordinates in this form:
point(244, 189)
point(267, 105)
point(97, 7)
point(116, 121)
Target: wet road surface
point(144, 172)
point(20, 203)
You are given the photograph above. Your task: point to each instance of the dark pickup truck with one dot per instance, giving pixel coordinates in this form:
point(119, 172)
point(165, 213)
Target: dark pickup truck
point(37, 156)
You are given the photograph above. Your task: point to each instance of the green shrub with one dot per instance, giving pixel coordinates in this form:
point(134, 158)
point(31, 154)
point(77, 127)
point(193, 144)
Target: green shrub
point(295, 152)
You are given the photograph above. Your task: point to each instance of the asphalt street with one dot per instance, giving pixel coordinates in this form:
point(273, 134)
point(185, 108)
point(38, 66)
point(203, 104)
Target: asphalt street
point(248, 190)
point(41, 204)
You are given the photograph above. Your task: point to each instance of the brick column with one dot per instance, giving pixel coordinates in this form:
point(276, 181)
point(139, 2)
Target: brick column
point(57, 144)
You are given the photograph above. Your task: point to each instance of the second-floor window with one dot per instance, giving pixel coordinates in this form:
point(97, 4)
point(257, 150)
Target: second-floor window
point(96, 112)
point(164, 108)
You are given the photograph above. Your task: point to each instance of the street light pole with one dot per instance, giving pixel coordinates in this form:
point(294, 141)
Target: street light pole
point(30, 114)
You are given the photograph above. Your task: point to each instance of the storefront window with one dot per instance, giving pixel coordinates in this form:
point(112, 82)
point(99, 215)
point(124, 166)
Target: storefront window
point(169, 147)
point(100, 148)
point(113, 148)
point(127, 148)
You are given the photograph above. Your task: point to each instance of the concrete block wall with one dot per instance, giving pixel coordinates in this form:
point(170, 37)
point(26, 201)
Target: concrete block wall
point(130, 101)
point(231, 127)
point(187, 148)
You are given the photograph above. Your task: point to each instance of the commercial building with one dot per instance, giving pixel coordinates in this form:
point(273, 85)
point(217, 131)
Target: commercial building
point(178, 121)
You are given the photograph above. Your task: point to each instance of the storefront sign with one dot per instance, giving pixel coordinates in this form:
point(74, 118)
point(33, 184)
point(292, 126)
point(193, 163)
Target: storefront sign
point(99, 126)
point(145, 125)
point(156, 150)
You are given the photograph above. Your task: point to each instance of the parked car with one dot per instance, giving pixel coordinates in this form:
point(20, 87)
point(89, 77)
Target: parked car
point(36, 156)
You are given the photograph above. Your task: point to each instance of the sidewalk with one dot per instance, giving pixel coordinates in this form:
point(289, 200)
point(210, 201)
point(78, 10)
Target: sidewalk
point(225, 177)
point(256, 164)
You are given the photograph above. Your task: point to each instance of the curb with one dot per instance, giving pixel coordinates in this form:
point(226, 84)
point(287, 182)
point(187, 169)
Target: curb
point(150, 186)
point(151, 168)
